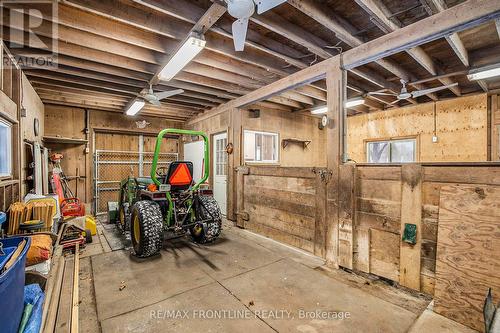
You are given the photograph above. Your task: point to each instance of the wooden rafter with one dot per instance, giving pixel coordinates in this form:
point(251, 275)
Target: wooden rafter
point(465, 15)
point(454, 40)
point(378, 10)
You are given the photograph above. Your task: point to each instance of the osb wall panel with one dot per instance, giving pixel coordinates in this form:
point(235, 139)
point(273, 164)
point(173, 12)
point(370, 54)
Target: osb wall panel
point(290, 125)
point(456, 119)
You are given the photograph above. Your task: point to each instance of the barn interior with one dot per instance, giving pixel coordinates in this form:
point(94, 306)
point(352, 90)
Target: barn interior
point(342, 162)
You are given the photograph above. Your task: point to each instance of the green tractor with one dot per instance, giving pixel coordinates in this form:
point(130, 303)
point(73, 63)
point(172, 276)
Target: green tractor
point(169, 204)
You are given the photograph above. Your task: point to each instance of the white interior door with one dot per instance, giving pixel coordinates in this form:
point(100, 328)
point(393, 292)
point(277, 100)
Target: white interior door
point(220, 170)
point(194, 152)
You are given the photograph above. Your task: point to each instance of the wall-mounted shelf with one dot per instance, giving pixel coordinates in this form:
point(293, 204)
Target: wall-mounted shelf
point(58, 139)
point(286, 142)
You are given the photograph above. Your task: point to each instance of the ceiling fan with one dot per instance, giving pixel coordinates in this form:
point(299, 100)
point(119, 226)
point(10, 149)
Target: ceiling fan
point(241, 10)
point(155, 98)
point(404, 94)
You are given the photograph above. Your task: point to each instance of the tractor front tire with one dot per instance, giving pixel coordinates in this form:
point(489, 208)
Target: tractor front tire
point(146, 229)
point(208, 208)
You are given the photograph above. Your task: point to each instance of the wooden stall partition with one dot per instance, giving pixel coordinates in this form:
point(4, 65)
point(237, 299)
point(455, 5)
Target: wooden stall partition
point(378, 220)
point(280, 203)
point(387, 198)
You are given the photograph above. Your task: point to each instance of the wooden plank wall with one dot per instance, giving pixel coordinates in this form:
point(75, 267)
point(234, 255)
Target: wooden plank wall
point(280, 203)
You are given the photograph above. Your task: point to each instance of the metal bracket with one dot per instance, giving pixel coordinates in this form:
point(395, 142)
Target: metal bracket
point(244, 216)
point(324, 174)
point(243, 170)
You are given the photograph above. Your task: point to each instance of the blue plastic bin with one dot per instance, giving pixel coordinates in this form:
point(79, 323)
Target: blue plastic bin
point(12, 288)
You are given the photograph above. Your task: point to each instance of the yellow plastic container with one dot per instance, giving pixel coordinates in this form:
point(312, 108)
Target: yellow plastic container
point(90, 224)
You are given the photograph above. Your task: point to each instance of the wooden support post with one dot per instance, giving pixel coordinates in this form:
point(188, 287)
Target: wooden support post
point(242, 216)
point(411, 213)
point(335, 82)
point(234, 161)
point(346, 214)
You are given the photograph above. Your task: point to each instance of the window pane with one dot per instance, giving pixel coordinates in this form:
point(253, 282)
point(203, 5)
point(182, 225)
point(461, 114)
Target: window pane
point(378, 152)
point(259, 147)
point(403, 151)
point(5, 149)
point(268, 148)
point(249, 143)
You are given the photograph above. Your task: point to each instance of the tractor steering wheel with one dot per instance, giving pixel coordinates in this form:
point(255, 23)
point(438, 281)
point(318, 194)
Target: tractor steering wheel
point(162, 171)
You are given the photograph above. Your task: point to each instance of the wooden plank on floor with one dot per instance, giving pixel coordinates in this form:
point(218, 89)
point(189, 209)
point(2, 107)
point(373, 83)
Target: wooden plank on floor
point(63, 322)
point(411, 213)
point(468, 252)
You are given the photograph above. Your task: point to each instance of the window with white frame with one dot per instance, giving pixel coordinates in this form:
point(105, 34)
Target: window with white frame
point(392, 151)
point(5, 149)
point(260, 147)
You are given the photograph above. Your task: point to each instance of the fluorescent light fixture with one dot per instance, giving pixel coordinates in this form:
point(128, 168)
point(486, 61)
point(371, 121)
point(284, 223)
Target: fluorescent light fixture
point(354, 102)
point(320, 110)
point(484, 72)
point(135, 107)
point(190, 49)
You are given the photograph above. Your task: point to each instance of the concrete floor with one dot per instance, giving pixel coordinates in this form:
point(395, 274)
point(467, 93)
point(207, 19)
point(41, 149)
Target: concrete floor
point(242, 283)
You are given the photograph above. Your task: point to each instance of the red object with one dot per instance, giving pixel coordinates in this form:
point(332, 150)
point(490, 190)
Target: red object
point(72, 207)
point(181, 176)
point(57, 187)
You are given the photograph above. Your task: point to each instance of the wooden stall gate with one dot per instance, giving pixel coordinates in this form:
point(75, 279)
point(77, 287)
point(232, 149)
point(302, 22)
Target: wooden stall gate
point(285, 204)
point(375, 203)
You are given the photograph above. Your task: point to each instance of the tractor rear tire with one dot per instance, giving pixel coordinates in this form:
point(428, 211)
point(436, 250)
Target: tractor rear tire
point(208, 208)
point(146, 229)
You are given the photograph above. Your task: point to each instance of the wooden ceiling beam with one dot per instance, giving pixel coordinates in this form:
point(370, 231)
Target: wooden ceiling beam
point(82, 80)
point(74, 23)
point(454, 39)
point(218, 41)
point(151, 20)
point(85, 105)
point(380, 12)
point(190, 12)
point(460, 17)
point(342, 31)
point(122, 85)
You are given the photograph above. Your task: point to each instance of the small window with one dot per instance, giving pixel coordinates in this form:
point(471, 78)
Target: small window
point(392, 151)
point(261, 147)
point(5, 149)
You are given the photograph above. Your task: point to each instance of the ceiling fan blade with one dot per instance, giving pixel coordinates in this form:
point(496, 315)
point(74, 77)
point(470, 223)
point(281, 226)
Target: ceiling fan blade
point(394, 102)
point(419, 93)
point(240, 27)
point(380, 94)
point(155, 102)
point(166, 94)
point(265, 5)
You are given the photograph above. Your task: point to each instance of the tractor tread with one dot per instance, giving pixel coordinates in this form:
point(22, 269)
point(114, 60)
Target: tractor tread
point(211, 230)
point(151, 228)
